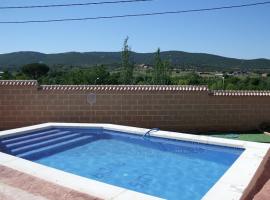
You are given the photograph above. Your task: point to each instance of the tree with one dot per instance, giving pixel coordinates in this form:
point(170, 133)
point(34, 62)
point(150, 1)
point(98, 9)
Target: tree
point(35, 70)
point(127, 66)
point(6, 75)
point(102, 75)
point(192, 79)
point(114, 78)
point(161, 71)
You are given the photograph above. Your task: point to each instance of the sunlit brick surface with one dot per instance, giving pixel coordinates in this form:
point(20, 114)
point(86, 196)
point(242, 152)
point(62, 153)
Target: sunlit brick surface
point(177, 108)
point(19, 186)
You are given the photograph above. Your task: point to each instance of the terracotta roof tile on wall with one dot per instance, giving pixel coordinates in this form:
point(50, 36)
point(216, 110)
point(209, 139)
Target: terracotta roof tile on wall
point(125, 87)
point(136, 88)
point(240, 93)
point(19, 82)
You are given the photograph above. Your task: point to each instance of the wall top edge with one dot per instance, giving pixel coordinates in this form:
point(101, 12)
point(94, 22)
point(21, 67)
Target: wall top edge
point(241, 93)
point(125, 87)
point(18, 82)
point(135, 88)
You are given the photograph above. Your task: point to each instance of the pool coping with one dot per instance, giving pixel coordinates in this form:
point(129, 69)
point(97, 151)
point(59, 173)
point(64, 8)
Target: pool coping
point(231, 185)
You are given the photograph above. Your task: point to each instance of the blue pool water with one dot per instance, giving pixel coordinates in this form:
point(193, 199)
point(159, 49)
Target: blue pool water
point(164, 168)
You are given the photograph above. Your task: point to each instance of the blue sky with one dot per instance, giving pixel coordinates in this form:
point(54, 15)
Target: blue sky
point(241, 33)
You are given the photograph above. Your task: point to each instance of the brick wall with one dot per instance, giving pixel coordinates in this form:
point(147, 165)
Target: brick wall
point(178, 108)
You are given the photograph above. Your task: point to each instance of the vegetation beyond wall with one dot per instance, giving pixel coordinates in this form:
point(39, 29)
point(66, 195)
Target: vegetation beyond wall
point(162, 71)
point(177, 108)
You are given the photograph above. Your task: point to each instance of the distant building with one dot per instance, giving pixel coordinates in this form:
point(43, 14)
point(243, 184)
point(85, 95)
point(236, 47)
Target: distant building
point(144, 66)
point(204, 73)
point(264, 75)
point(219, 74)
point(234, 74)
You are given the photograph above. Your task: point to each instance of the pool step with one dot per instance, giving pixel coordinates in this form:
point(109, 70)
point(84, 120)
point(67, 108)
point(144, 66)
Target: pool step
point(45, 143)
point(36, 139)
point(29, 136)
point(55, 148)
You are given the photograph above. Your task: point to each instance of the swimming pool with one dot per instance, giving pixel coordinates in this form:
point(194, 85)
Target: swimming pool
point(165, 168)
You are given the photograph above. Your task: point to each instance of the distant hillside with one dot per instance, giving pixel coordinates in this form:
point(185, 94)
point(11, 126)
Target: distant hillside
point(177, 58)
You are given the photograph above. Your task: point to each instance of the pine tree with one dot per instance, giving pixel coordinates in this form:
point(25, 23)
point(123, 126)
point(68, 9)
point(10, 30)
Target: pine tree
point(127, 66)
point(161, 70)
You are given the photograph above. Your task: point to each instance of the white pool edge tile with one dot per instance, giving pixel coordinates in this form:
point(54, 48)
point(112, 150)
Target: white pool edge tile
point(254, 153)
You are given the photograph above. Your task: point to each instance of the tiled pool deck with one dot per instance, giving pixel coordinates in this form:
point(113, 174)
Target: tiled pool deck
point(16, 185)
point(230, 186)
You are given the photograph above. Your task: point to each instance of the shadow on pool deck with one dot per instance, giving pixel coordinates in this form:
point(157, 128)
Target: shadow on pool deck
point(15, 185)
point(259, 187)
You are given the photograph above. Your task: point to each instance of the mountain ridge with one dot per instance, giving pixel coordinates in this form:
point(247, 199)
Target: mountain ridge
point(179, 59)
